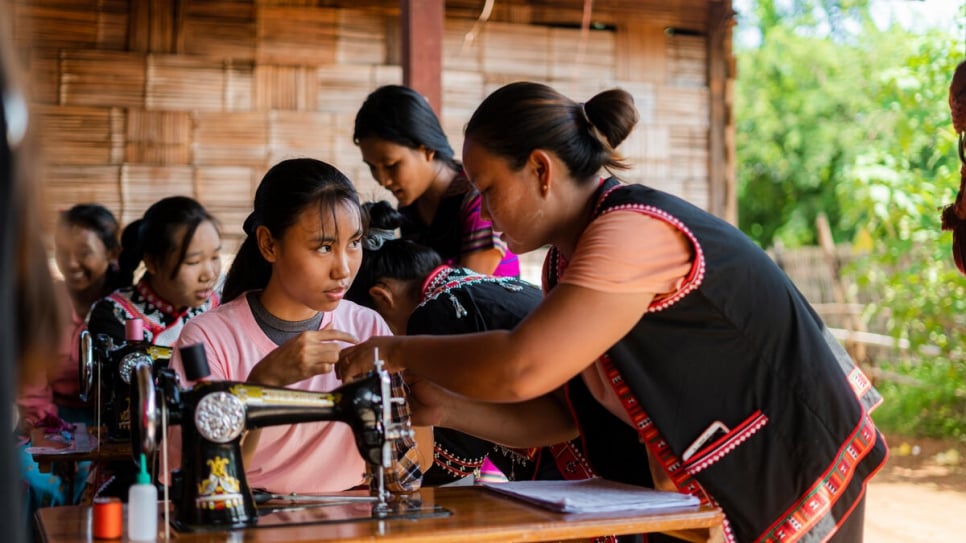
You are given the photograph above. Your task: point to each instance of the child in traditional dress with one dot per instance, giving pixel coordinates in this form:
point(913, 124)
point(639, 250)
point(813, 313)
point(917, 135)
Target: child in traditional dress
point(179, 244)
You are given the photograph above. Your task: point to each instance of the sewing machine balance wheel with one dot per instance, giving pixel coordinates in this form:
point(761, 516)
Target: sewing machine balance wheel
point(85, 367)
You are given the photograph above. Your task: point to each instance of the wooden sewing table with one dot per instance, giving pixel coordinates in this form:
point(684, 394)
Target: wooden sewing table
point(84, 446)
point(478, 515)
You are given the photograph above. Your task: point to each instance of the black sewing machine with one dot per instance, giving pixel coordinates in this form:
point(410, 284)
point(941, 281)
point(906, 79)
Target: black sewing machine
point(107, 374)
point(214, 493)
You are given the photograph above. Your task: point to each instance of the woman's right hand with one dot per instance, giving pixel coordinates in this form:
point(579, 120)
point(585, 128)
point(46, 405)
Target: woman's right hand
point(306, 355)
point(429, 402)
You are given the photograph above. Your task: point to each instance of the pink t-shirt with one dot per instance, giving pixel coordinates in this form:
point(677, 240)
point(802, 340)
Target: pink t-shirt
point(304, 458)
point(60, 384)
point(621, 252)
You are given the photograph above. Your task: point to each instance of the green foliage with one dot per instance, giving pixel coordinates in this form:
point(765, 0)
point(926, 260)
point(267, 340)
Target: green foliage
point(933, 408)
point(801, 106)
point(896, 189)
point(858, 127)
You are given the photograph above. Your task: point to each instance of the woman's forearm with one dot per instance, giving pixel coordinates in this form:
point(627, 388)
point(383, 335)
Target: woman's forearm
point(534, 423)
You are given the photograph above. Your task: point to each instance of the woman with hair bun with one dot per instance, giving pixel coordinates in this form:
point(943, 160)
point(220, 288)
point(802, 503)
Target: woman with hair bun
point(680, 353)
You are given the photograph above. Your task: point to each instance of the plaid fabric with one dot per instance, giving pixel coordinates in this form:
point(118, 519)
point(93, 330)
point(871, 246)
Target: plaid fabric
point(405, 475)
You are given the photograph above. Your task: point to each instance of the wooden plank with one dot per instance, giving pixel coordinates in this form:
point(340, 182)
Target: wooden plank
point(342, 89)
point(67, 185)
point(112, 28)
point(226, 186)
point(183, 83)
point(301, 134)
point(227, 193)
point(682, 106)
point(239, 85)
point(43, 70)
point(54, 27)
point(285, 88)
point(158, 137)
point(514, 50)
point(687, 62)
point(143, 185)
point(722, 180)
point(575, 54)
point(230, 139)
point(362, 37)
point(641, 50)
point(219, 29)
point(75, 135)
point(461, 52)
point(153, 26)
point(102, 78)
point(310, 42)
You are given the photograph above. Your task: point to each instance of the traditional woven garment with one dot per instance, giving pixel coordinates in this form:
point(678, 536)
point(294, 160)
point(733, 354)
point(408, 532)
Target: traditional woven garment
point(162, 322)
point(457, 228)
point(736, 345)
point(459, 301)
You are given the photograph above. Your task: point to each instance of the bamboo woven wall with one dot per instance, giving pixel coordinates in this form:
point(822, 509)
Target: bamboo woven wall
point(141, 99)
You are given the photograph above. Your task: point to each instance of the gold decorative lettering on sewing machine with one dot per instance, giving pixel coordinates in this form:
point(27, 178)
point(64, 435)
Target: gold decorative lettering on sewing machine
point(219, 490)
point(210, 490)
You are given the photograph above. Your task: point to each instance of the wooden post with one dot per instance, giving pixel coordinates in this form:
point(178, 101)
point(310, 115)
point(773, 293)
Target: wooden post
point(422, 48)
point(722, 185)
point(840, 292)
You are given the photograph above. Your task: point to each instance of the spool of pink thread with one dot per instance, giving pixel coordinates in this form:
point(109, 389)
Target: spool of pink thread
point(134, 330)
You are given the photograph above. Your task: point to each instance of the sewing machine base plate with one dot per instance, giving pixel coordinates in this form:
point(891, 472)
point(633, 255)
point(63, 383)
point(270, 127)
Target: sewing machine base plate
point(274, 515)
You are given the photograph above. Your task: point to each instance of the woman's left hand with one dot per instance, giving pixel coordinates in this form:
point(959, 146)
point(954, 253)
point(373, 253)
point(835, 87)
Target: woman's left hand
point(359, 359)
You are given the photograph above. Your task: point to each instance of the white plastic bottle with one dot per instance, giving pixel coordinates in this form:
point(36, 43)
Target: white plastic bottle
point(142, 507)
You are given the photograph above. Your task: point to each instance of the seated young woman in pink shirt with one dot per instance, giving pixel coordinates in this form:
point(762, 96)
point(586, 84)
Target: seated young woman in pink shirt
point(284, 321)
point(86, 250)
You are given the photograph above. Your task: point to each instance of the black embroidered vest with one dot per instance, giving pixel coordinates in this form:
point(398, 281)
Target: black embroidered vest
point(735, 387)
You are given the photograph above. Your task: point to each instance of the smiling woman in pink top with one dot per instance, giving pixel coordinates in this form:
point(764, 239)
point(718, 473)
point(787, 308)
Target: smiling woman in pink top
point(86, 249)
point(284, 322)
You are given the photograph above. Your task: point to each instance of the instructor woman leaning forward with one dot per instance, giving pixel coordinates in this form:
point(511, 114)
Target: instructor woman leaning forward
point(683, 356)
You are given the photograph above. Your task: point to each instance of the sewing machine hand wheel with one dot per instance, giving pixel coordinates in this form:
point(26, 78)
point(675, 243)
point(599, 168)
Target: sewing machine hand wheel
point(145, 417)
point(86, 363)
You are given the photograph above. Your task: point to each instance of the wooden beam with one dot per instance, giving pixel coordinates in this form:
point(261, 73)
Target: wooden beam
point(722, 185)
point(422, 48)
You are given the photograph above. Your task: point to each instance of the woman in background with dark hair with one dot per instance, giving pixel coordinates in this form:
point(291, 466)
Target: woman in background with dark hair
point(407, 152)
point(179, 243)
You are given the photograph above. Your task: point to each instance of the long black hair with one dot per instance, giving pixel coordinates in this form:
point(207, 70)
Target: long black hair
point(286, 190)
point(153, 235)
point(385, 256)
point(403, 116)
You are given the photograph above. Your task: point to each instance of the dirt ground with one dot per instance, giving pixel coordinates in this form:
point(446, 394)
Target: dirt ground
point(920, 495)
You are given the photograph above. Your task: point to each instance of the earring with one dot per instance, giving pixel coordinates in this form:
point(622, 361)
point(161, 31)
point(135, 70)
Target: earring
point(546, 188)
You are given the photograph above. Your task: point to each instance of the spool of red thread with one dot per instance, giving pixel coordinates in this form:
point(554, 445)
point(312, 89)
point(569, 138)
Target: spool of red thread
point(108, 518)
